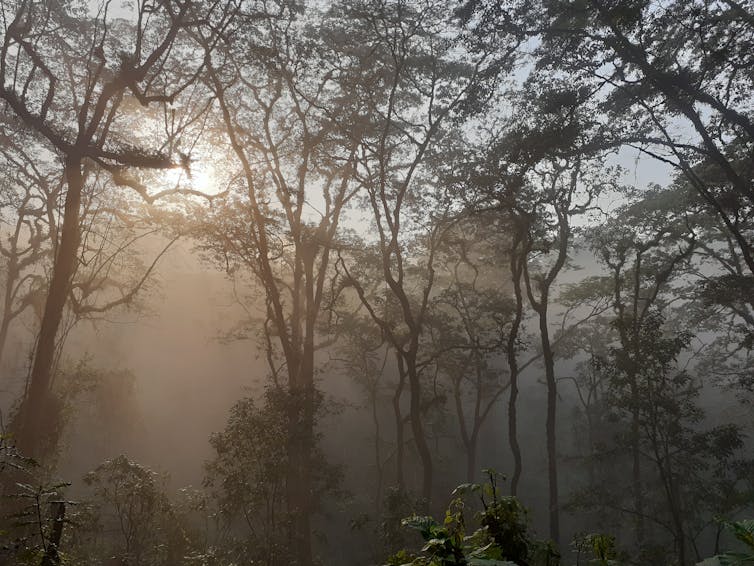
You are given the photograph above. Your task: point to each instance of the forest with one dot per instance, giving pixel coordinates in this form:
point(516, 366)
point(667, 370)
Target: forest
point(376, 282)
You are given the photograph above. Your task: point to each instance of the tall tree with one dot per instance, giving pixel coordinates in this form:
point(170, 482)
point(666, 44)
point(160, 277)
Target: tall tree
point(30, 188)
point(549, 233)
point(76, 77)
point(648, 248)
point(292, 131)
point(417, 54)
point(527, 174)
point(675, 84)
point(469, 327)
point(642, 260)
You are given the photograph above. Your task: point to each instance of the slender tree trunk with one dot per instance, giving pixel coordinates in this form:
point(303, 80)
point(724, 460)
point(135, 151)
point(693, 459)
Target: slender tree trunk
point(513, 429)
point(10, 281)
point(633, 375)
point(469, 443)
point(5, 323)
point(665, 469)
point(399, 432)
point(629, 338)
point(718, 534)
point(377, 450)
point(52, 553)
point(39, 413)
point(513, 370)
point(540, 306)
point(674, 504)
point(680, 536)
point(471, 451)
point(636, 461)
point(552, 400)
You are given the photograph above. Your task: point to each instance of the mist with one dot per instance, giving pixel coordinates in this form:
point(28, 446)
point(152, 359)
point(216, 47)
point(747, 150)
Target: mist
point(378, 282)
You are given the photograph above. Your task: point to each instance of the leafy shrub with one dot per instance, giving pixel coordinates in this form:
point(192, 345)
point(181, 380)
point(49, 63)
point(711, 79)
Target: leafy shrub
point(502, 538)
point(32, 510)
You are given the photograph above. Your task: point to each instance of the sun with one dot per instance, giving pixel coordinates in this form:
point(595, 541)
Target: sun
point(201, 177)
point(204, 178)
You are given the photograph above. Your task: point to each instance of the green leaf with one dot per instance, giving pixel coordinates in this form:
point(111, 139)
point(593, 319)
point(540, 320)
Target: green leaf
point(744, 531)
point(465, 488)
point(425, 525)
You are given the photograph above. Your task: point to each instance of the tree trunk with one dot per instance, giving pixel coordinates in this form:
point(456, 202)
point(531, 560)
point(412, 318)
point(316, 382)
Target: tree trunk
point(299, 482)
point(636, 461)
point(52, 555)
point(471, 451)
point(513, 369)
point(11, 279)
point(680, 537)
point(513, 432)
point(38, 419)
point(632, 345)
point(552, 399)
point(5, 323)
point(377, 451)
point(417, 428)
point(301, 423)
point(469, 440)
point(399, 432)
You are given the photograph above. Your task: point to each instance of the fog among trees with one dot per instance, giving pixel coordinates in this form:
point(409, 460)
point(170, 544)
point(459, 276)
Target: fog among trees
point(376, 282)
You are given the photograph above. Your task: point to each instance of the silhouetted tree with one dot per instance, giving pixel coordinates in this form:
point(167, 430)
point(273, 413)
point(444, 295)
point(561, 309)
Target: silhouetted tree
point(414, 52)
point(293, 132)
point(75, 77)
